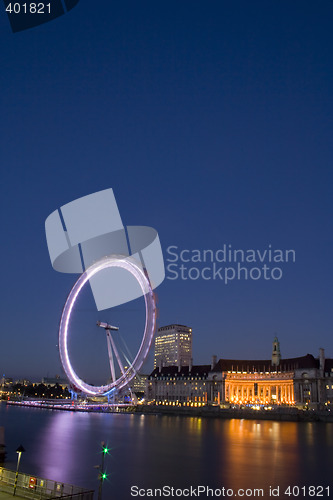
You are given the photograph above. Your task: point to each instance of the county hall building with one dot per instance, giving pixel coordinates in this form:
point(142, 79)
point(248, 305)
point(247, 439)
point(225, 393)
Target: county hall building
point(302, 380)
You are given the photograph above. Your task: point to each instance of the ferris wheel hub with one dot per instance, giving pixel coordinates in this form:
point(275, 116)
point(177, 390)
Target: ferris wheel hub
point(106, 326)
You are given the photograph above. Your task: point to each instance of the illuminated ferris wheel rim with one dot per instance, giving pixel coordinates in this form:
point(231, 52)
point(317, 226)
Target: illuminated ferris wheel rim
point(130, 265)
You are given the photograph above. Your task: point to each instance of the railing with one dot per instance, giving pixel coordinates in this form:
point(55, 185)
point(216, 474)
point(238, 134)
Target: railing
point(37, 488)
point(85, 495)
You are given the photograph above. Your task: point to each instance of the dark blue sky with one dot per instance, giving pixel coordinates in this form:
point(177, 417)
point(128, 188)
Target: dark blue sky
point(212, 121)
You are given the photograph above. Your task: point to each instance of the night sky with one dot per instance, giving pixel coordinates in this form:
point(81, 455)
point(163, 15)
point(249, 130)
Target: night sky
point(212, 122)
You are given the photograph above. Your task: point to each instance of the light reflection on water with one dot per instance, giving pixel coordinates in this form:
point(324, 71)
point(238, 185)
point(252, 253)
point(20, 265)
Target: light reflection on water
point(150, 451)
point(259, 454)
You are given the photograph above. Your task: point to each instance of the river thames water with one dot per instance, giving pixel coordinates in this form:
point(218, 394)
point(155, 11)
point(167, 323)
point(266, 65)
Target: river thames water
point(153, 451)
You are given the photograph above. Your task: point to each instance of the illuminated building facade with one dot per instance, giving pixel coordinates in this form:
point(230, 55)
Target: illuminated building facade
point(302, 380)
point(138, 383)
point(173, 346)
point(192, 385)
point(57, 380)
point(179, 385)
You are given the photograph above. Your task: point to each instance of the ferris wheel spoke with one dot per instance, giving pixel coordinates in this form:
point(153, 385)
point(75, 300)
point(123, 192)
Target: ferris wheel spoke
point(130, 364)
point(127, 350)
point(127, 356)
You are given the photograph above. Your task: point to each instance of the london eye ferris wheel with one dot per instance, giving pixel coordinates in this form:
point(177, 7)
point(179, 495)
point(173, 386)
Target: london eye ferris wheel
point(87, 237)
point(121, 377)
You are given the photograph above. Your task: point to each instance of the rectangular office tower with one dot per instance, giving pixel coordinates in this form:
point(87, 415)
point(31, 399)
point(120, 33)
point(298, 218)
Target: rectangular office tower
point(173, 346)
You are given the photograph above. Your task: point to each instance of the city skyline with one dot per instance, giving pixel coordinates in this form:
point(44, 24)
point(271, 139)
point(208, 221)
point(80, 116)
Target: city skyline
point(214, 359)
point(212, 125)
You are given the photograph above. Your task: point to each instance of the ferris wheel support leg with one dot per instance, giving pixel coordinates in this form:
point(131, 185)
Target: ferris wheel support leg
point(73, 395)
point(112, 397)
point(117, 356)
point(113, 371)
point(134, 398)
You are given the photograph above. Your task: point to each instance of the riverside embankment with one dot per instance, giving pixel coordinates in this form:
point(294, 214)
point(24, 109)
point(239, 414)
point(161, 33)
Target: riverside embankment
point(279, 413)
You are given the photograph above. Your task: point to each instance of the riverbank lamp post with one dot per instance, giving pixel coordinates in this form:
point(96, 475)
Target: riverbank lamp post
point(19, 452)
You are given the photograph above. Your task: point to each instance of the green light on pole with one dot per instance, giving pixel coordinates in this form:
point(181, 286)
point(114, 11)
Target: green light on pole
point(102, 475)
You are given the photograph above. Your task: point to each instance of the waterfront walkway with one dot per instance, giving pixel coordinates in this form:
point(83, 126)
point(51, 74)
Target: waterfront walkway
point(33, 488)
point(7, 496)
point(6, 493)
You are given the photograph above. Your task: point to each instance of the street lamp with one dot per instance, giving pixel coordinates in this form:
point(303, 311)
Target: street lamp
point(19, 452)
